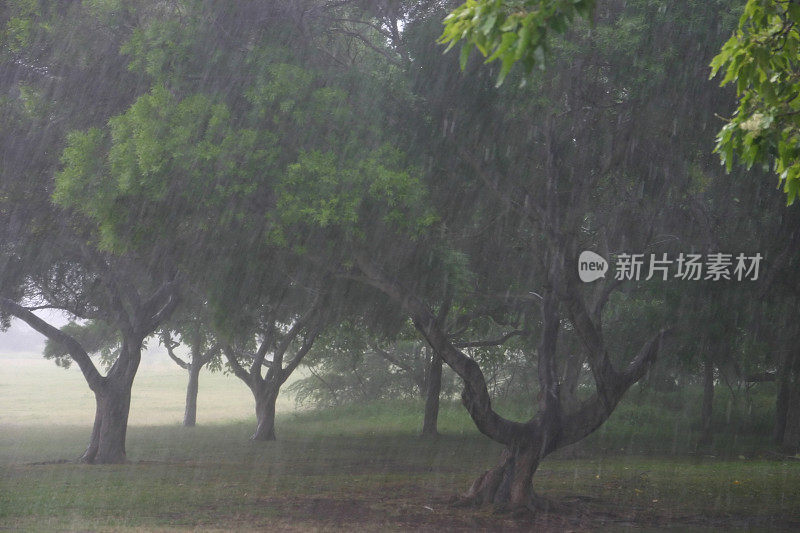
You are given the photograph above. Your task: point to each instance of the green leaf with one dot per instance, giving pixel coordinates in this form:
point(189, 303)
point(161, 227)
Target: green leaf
point(463, 58)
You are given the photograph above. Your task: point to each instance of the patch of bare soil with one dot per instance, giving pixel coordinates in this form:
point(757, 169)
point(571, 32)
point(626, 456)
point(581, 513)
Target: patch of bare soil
point(438, 513)
point(590, 514)
point(55, 462)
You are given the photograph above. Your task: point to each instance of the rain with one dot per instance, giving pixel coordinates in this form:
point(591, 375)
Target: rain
point(368, 265)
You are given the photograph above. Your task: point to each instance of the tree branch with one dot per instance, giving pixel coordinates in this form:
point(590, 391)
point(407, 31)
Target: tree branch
point(233, 362)
point(170, 345)
point(307, 344)
point(259, 358)
point(210, 354)
point(475, 396)
point(491, 342)
point(155, 310)
point(393, 360)
point(95, 380)
point(369, 45)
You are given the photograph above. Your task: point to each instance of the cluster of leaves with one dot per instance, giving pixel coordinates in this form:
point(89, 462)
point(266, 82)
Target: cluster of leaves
point(510, 31)
point(762, 60)
point(18, 18)
point(323, 191)
point(177, 155)
point(96, 336)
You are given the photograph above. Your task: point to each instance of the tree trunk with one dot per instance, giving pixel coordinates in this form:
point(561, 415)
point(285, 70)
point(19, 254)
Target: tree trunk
point(107, 444)
point(510, 483)
point(791, 437)
point(265, 415)
point(781, 411)
point(783, 379)
point(190, 414)
point(707, 408)
point(432, 391)
point(790, 442)
point(569, 382)
point(113, 400)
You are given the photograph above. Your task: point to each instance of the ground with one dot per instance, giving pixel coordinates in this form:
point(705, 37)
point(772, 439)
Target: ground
point(364, 468)
point(212, 478)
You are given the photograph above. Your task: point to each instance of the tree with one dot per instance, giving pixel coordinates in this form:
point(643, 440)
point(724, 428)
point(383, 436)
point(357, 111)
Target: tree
point(286, 340)
point(510, 31)
point(354, 362)
point(192, 170)
point(50, 255)
point(515, 183)
point(113, 291)
point(194, 330)
point(762, 60)
point(745, 336)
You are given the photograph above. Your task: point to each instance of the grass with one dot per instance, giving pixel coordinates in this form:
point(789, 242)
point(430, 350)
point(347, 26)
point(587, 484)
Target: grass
point(362, 467)
point(212, 477)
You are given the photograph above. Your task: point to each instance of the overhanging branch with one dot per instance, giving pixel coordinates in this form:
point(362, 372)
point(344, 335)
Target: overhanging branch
point(95, 380)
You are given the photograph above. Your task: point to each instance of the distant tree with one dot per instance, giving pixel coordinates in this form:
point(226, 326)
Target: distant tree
point(350, 363)
point(743, 337)
point(193, 329)
point(354, 363)
point(265, 358)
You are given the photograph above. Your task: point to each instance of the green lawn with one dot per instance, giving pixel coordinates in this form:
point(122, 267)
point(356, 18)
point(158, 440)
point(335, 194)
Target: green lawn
point(363, 467)
point(212, 477)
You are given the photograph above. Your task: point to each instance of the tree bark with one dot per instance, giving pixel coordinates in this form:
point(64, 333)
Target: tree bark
point(510, 483)
point(107, 443)
point(265, 415)
point(190, 414)
point(113, 404)
point(781, 411)
point(782, 400)
point(433, 389)
point(569, 382)
point(707, 408)
point(789, 404)
point(791, 437)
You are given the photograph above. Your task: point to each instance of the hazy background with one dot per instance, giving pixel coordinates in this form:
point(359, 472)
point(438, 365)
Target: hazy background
point(22, 341)
point(35, 391)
